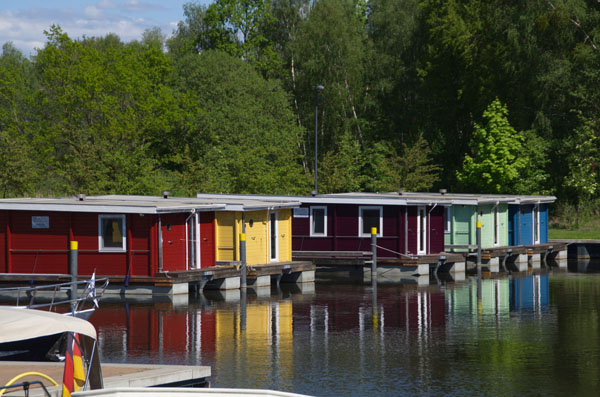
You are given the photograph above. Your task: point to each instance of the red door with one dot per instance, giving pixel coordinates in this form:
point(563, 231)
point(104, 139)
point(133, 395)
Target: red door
point(207, 239)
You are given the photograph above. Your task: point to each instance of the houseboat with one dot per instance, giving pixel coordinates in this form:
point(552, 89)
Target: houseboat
point(139, 236)
point(343, 222)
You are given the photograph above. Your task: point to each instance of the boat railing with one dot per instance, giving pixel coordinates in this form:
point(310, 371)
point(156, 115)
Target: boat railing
point(49, 296)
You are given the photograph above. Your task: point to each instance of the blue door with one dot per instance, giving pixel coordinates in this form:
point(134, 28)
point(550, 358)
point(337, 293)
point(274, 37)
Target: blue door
point(526, 224)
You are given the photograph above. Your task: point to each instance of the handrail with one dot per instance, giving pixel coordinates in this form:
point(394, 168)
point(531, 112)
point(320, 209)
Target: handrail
point(89, 292)
point(26, 384)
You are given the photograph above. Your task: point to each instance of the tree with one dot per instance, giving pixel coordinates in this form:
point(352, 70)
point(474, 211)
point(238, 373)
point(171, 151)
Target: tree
point(495, 163)
point(102, 105)
point(239, 135)
point(234, 26)
point(411, 170)
point(17, 155)
point(330, 49)
point(584, 162)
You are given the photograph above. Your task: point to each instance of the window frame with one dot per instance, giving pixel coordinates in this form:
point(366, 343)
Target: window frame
point(447, 219)
point(121, 218)
point(360, 220)
point(312, 232)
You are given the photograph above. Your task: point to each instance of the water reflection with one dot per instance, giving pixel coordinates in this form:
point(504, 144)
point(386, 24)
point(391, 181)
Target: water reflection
point(381, 339)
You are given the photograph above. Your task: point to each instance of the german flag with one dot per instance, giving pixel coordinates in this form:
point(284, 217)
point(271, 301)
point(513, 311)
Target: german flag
point(74, 375)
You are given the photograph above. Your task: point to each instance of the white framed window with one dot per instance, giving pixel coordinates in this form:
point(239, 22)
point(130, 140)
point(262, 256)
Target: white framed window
point(111, 233)
point(369, 217)
point(318, 221)
point(448, 219)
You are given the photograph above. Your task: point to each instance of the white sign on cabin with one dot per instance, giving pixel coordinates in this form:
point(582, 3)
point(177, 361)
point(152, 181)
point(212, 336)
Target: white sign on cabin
point(40, 222)
point(301, 212)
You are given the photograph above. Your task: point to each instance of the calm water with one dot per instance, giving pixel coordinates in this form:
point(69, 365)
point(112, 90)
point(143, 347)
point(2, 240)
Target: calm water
point(537, 334)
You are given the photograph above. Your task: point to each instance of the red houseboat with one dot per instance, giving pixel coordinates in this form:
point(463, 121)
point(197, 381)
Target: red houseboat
point(117, 235)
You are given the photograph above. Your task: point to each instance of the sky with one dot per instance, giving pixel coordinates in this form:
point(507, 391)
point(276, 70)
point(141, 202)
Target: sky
point(23, 21)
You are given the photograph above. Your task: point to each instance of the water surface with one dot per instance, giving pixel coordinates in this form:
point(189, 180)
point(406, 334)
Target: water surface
point(536, 334)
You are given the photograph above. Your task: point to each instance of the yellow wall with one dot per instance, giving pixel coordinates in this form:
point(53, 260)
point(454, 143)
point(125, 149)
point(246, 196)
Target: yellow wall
point(229, 226)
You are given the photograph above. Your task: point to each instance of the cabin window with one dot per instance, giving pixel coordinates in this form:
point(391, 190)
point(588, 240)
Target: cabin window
point(447, 219)
point(318, 221)
point(370, 217)
point(111, 233)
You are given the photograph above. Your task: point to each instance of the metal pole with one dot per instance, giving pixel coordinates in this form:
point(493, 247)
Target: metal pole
point(478, 236)
point(316, 135)
point(243, 259)
point(374, 252)
point(73, 252)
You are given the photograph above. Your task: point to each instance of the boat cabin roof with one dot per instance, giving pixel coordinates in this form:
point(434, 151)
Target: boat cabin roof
point(18, 324)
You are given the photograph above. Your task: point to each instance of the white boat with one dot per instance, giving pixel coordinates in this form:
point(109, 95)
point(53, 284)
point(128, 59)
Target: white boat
point(37, 335)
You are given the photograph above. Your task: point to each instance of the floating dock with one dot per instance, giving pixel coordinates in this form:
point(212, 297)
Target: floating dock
point(222, 277)
point(510, 258)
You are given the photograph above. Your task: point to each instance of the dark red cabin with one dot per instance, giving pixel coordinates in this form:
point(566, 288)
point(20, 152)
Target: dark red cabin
point(343, 221)
point(116, 235)
point(327, 223)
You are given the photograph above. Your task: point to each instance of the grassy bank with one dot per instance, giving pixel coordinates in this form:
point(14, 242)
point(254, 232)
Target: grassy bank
point(563, 224)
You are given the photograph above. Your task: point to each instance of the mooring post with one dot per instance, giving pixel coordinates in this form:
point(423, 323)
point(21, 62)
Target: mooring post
point(243, 259)
point(73, 252)
point(374, 252)
point(478, 237)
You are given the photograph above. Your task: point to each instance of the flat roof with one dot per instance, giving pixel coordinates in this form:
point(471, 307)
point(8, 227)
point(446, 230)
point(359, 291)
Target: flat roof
point(399, 198)
point(124, 204)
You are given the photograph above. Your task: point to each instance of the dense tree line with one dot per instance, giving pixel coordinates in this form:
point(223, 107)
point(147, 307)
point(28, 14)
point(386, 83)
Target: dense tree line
point(486, 96)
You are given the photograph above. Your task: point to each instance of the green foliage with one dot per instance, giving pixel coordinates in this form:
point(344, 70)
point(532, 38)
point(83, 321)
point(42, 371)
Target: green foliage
point(410, 171)
point(405, 82)
point(246, 140)
point(236, 27)
point(584, 159)
point(341, 168)
point(495, 163)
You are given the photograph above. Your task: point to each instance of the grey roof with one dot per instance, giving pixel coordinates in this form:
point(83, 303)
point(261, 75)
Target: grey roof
point(124, 204)
point(399, 198)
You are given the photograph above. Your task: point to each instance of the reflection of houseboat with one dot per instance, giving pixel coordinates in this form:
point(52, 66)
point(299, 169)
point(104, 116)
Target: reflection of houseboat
point(531, 293)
